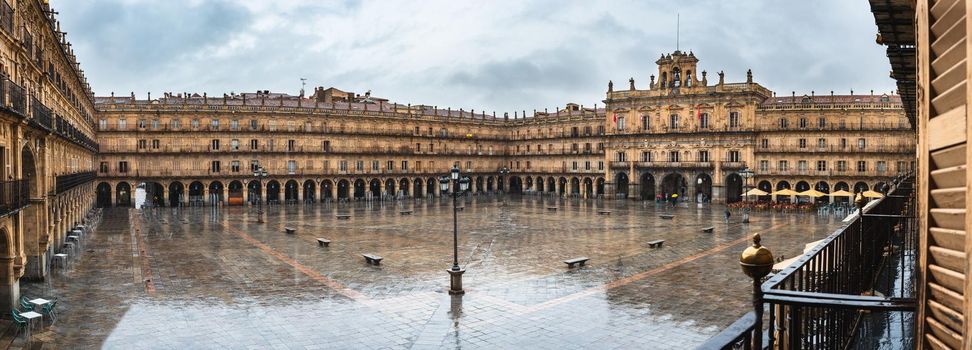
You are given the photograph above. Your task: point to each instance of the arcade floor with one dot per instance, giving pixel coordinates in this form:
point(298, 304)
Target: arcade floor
point(205, 278)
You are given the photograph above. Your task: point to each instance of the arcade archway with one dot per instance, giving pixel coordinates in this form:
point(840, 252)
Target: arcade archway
point(647, 187)
point(621, 185)
point(104, 195)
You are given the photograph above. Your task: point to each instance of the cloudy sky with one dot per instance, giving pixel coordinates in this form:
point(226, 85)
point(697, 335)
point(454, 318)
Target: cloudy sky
point(486, 55)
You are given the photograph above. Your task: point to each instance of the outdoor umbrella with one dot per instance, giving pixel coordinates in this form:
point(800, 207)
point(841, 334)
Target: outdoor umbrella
point(841, 193)
point(756, 192)
point(872, 194)
point(812, 193)
point(785, 192)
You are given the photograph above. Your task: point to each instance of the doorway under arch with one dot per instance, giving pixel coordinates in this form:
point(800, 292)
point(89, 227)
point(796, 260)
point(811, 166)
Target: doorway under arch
point(621, 185)
point(703, 188)
point(647, 187)
point(104, 195)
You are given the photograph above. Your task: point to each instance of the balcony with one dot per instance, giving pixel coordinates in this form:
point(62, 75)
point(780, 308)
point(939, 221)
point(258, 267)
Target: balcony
point(674, 165)
point(619, 165)
point(63, 183)
point(14, 97)
point(844, 292)
point(733, 165)
point(14, 195)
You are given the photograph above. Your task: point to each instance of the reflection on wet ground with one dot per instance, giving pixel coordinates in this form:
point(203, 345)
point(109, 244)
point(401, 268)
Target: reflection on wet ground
point(199, 278)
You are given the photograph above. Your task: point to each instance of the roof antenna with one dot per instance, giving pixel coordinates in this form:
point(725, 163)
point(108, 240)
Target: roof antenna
point(678, 20)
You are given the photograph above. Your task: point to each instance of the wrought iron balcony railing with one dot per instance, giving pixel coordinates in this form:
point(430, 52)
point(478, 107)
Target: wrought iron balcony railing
point(63, 183)
point(14, 195)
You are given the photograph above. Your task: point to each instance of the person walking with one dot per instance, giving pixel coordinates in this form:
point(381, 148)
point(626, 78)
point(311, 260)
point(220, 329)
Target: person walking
point(674, 199)
point(728, 214)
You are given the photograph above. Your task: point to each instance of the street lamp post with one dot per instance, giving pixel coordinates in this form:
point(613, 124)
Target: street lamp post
point(459, 186)
point(260, 173)
point(746, 175)
point(504, 172)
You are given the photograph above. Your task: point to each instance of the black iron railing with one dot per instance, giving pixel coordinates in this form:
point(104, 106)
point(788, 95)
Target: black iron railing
point(16, 100)
point(6, 17)
point(818, 301)
point(41, 115)
point(69, 181)
point(14, 195)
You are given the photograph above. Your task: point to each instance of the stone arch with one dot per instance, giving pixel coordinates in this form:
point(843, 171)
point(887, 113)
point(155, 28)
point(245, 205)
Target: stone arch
point(588, 187)
point(490, 181)
point(783, 184)
point(563, 185)
point(343, 189)
point(359, 188)
point(403, 187)
point(551, 184)
point(575, 186)
point(528, 185)
point(290, 191)
point(176, 192)
point(216, 191)
point(255, 189)
point(417, 187)
point(104, 195)
point(801, 186)
point(540, 184)
point(516, 184)
point(431, 185)
point(123, 194)
point(599, 186)
point(310, 191)
point(841, 186)
point(196, 192)
point(822, 187)
point(674, 183)
point(860, 186)
point(390, 187)
point(327, 187)
point(155, 194)
point(235, 193)
point(480, 184)
point(374, 186)
point(273, 191)
point(647, 186)
point(703, 188)
point(621, 185)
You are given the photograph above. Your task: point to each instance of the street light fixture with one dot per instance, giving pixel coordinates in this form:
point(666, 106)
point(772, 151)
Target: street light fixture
point(504, 171)
point(260, 173)
point(459, 186)
point(746, 175)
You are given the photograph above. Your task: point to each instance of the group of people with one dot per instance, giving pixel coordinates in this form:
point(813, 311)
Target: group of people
point(778, 206)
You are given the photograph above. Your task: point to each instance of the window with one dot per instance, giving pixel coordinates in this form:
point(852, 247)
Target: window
point(194, 123)
point(234, 124)
point(443, 132)
point(573, 165)
point(861, 166)
point(782, 165)
point(214, 166)
point(803, 143)
point(290, 125)
point(673, 156)
point(843, 124)
point(587, 165)
point(253, 124)
point(704, 156)
point(235, 144)
point(174, 124)
point(291, 145)
point(645, 156)
point(620, 123)
point(155, 144)
point(102, 124)
point(215, 124)
point(841, 165)
point(587, 131)
point(574, 132)
point(214, 145)
point(784, 123)
point(405, 165)
point(291, 166)
point(822, 122)
point(600, 129)
point(326, 146)
point(645, 122)
point(122, 124)
point(821, 143)
point(733, 119)
point(528, 164)
point(704, 121)
point(600, 165)
point(123, 167)
point(103, 167)
point(764, 143)
point(155, 124)
point(843, 143)
point(343, 165)
point(821, 165)
point(861, 143)
point(390, 165)
point(141, 144)
point(359, 165)
point(673, 121)
point(235, 166)
point(326, 165)
point(901, 167)
point(141, 123)
point(254, 165)
point(803, 123)
point(620, 157)
point(375, 165)
point(882, 166)
point(763, 166)
point(272, 125)
point(734, 156)
point(254, 144)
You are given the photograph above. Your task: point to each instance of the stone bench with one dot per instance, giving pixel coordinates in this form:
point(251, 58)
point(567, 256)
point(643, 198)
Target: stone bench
point(323, 242)
point(343, 216)
point(603, 212)
point(708, 229)
point(372, 259)
point(656, 243)
point(405, 212)
point(667, 216)
point(289, 230)
point(581, 260)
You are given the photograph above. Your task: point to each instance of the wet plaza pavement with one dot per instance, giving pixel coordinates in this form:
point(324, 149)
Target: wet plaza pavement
point(198, 278)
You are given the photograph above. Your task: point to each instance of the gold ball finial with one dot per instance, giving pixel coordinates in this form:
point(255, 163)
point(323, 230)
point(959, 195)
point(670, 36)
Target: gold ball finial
point(756, 261)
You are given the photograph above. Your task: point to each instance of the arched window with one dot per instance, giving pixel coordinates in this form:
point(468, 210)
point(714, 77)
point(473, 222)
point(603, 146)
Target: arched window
point(663, 79)
point(688, 78)
point(676, 77)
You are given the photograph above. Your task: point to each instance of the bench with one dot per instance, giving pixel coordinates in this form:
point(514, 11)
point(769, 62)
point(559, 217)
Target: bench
point(708, 229)
point(656, 243)
point(372, 259)
point(323, 242)
point(552, 208)
point(603, 212)
point(405, 212)
point(667, 216)
point(581, 260)
point(343, 216)
point(289, 230)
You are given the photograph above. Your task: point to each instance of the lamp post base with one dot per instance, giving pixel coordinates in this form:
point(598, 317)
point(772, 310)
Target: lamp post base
point(455, 281)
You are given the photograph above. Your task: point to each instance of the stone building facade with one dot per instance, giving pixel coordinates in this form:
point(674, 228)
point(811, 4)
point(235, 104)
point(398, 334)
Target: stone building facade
point(679, 135)
point(47, 143)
